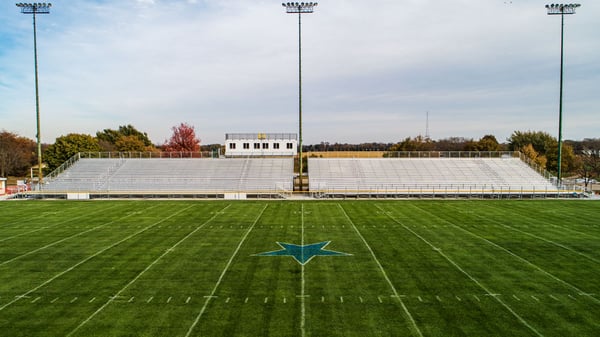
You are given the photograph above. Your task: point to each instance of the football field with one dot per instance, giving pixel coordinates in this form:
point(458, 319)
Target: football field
point(300, 268)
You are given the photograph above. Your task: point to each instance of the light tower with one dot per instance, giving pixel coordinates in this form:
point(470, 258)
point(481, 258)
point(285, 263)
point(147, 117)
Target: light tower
point(299, 8)
point(36, 8)
point(561, 9)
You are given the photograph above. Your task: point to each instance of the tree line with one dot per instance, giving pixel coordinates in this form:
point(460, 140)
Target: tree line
point(18, 154)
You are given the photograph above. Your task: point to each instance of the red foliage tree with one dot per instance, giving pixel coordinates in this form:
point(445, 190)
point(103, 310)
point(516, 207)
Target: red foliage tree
point(183, 139)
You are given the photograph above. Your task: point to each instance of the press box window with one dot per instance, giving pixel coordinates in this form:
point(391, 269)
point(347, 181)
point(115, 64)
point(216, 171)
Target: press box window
point(290, 146)
point(265, 146)
point(256, 146)
point(246, 146)
point(276, 146)
point(232, 146)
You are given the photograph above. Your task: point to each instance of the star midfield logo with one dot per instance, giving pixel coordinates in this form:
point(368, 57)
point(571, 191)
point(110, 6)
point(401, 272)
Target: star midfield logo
point(303, 253)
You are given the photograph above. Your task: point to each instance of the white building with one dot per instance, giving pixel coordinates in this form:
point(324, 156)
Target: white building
point(260, 144)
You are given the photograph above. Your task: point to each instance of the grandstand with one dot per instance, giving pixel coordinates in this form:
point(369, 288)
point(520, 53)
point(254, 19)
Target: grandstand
point(236, 177)
point(499, 176)
point(502, 175)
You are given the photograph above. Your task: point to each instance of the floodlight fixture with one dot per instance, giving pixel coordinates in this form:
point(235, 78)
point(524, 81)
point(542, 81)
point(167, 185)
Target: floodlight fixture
point(299, 8)
point(36, 8)
point(562, 10)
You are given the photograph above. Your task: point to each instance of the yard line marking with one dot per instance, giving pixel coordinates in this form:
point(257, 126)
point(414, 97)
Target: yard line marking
point(169, 299)
point(148, 267)
point(438, 298)
point(92, 256)
point(36, 299)
point(477, 298)
point(188, 300)
point(516, 298)
point(227, 300)
point(322, 299)
point(73, 300)
point(535, 298)
point(284, 300)
point(419, 297)
point(553, 297)
point(54, 300)
point(415, 328)
point(497, 298)
point(303, 282)
point(509, 252)
point(131, 299)
point(150, 299)
point(92, 300)
point(214, 290)
point(458, 298)
point(360, 299)
point(55, 225)
point(541, 238)
point(63, 239)
point(341, 299)
point(266, 300)
point(572, 297)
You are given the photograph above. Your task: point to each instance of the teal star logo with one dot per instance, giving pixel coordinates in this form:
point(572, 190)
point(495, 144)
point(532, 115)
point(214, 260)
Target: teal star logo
point(303, 253)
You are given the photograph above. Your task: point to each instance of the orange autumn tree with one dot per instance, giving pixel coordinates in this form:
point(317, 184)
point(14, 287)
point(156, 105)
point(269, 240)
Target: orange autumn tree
point(183, 139)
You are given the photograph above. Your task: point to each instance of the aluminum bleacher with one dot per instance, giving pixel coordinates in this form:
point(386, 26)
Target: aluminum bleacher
point(183, 176)
point(424, 176)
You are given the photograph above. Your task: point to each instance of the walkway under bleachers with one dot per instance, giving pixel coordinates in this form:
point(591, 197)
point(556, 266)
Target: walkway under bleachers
point(181, 175)
point(418, 176)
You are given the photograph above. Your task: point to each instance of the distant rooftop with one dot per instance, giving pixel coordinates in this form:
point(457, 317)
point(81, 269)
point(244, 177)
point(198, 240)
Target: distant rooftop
point(269, 136)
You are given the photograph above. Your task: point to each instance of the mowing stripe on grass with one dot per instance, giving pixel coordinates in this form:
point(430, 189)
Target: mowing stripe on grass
point(146, 269)
point(90, 257)
point(597, 301)
point(58, 224)
point(65, 239)
point(214, 290)
point(415, 328)
point(538, 237)
point(521, 319)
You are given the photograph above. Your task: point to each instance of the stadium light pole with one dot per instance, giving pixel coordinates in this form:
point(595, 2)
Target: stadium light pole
point(36, 8)
point(562, 10)
point(299, 8)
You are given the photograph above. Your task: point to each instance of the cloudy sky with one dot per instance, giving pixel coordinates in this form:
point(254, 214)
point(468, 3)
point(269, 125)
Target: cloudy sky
point(372, 70)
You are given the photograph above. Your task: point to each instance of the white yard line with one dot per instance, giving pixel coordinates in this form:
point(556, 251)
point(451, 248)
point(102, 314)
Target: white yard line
point(302, 288)
point(64, 239)
point(214, 290)
point(514, 255)
point(52, 226)
point(415, 328)
point(111, 299)
point(487, 291)
point(540, 238)
point(89, 258)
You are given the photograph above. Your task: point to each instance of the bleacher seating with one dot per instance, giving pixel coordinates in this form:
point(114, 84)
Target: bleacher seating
point(423, 175)
point(181, 175)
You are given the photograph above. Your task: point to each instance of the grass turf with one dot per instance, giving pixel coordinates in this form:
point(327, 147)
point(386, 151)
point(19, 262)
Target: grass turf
point(188, 268)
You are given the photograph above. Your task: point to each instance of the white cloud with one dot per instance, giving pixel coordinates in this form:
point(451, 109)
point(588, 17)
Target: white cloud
point(370, 70)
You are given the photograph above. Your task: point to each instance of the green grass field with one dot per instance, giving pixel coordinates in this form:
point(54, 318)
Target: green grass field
point(189, 268)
